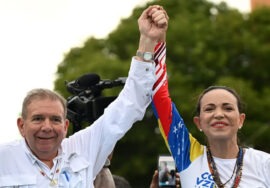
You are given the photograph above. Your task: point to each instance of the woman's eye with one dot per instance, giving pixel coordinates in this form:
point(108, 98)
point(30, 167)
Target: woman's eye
point(229, 108)
point(208, 109)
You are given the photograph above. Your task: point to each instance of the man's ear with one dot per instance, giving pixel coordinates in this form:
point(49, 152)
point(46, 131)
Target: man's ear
point(20, 125)
point(66, 126)
point(196, 120)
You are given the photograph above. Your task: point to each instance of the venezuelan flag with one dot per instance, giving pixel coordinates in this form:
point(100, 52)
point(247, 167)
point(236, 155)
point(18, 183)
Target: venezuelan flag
point(183, 147)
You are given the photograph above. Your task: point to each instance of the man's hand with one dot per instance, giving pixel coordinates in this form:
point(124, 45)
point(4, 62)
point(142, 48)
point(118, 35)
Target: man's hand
point(153, 24)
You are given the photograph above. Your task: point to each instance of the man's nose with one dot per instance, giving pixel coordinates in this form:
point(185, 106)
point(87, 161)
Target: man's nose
point(46, 125)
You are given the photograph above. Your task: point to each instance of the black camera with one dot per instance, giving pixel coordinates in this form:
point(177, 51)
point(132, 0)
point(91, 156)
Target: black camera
point(87, 104)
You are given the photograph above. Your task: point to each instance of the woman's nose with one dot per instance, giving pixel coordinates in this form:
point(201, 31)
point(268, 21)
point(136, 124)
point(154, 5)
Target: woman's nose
point(219, 113)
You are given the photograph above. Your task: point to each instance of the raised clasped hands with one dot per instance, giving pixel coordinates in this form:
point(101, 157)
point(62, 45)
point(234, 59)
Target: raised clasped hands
point(153, 24)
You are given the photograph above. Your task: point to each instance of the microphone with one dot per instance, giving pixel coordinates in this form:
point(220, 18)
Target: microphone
point(83, 82)
point(103, 84)
point(87, 80)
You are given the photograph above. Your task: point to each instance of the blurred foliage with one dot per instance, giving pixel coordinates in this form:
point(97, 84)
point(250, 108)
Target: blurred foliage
point(207, 44)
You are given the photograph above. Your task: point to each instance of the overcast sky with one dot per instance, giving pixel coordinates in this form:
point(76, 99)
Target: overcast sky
point(35, 35)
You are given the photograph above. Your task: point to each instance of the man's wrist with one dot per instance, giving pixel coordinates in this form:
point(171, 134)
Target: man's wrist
point(146, 44)
point(145, 56)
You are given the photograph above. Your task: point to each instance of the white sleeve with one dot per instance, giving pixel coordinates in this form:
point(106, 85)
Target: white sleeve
point(97, 141)
point(266, 171)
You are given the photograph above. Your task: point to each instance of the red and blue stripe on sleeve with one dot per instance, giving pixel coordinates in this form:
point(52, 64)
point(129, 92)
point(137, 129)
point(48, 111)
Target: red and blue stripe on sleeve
point(171, 124)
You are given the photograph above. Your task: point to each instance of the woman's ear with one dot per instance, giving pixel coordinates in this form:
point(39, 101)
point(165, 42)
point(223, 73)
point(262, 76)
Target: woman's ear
point(196, 120)
point(241, 120)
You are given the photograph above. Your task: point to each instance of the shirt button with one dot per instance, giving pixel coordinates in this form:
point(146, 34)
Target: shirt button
point(147, 69)
point(147, 94)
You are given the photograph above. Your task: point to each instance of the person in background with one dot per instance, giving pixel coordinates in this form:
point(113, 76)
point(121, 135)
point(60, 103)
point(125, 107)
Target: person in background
point(222, 162)
point(172, 177)
point(45, 158)
point(163, 173)
point(120, 182)
point(105, 178)
point(155, 180)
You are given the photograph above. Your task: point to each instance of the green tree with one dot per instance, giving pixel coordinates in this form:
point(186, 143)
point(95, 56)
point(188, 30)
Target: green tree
point(207, 44)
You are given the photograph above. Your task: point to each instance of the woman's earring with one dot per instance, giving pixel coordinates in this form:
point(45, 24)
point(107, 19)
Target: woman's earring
point(200, 130)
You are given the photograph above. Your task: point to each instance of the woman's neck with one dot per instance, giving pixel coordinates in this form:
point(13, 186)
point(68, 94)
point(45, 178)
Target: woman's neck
point(224, 150)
